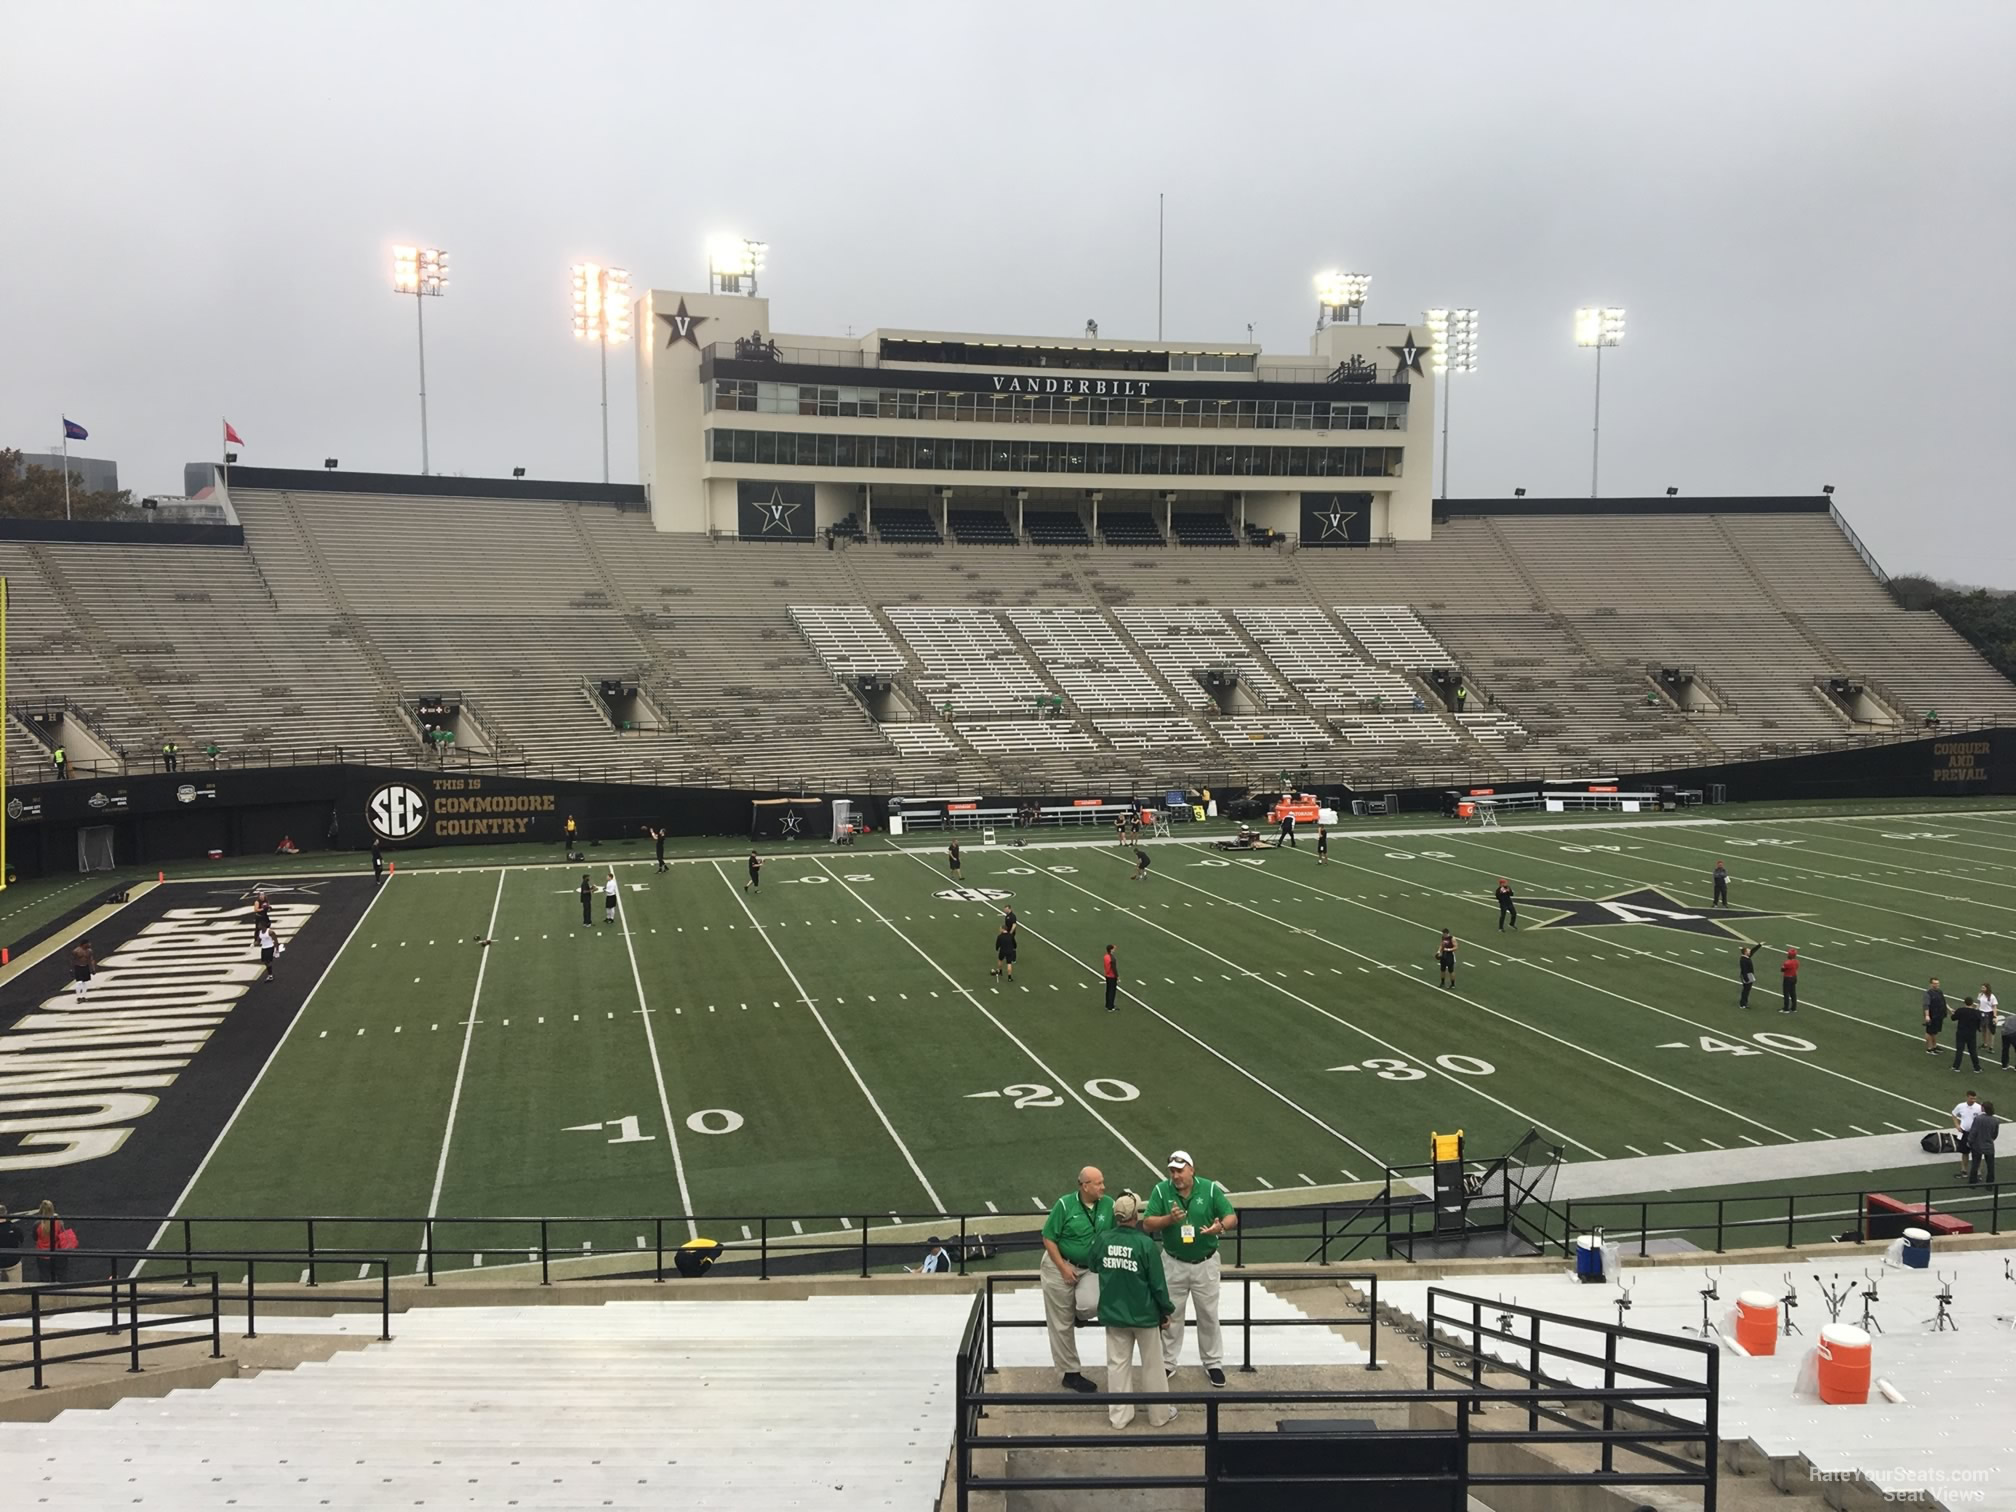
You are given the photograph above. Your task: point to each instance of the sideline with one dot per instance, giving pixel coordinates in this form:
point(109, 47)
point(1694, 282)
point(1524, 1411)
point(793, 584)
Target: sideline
point(1717, 1168)
point(62, 936)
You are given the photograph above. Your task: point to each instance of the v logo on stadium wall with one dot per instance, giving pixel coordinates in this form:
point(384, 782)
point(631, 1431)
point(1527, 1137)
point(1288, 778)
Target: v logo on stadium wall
point(1645, 905)
point(973, 895)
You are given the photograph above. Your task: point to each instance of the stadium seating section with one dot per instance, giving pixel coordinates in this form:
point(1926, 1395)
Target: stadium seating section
point(1042, 663)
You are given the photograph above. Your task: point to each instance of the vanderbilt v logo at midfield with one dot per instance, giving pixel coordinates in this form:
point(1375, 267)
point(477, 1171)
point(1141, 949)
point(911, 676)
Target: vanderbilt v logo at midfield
point(1645, 905)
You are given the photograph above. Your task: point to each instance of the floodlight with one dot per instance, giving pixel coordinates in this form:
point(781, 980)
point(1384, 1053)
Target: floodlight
point(602, 315)
point(1518, 493)
point(517, 472)
point(1599, 326)
point(421, 272)
point(1672, 493)
point(1337, 294)
point(330, 463)
point(1452, 339)
point(733, 263)
point(1602, 326)
point(601, 303)
point(1453, 336)
point(1827, 489)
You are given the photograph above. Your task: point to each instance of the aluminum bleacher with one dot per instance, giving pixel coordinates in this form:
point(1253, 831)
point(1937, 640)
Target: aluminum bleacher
point(848, 639)
point(1393, 635)
point(1079, 649)
point(968, 660)
point(1182, 643)
point(1320, 664)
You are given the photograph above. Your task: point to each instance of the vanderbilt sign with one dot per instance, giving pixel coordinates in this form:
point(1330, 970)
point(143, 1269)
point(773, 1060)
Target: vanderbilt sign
point(1015, 383)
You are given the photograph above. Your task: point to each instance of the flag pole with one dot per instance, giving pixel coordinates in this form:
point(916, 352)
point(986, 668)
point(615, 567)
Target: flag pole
point(66, 467)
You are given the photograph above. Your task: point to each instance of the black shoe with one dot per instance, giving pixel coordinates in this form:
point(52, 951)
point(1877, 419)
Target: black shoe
point(1217, 1376)
point(1076, 1382)
point(1168, 1372)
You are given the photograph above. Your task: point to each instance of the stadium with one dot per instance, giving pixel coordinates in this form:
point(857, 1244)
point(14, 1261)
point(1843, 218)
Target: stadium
point(1002, 912)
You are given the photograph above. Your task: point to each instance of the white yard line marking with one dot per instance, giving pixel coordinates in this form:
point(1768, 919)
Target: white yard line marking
point(833, 1040)
point(658, 1072)
point(462, 1064)
point(1035, 1059)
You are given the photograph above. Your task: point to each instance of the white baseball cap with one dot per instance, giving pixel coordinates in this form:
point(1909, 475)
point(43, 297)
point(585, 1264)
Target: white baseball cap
point(1180, 1158)
point(1126, 1207)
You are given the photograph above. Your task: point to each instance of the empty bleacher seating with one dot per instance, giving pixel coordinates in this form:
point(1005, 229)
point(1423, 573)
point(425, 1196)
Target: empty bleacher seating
point(1055, 527)
point(1393, 634)
point(1080, 650)
point(1129, 527)
point(968, 660)
point(901, 526)
point(1196, 529)
point(1183, 643)
point(981, 527)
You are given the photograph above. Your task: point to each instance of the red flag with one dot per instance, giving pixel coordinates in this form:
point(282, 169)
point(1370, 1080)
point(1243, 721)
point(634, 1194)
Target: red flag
point(231, 437)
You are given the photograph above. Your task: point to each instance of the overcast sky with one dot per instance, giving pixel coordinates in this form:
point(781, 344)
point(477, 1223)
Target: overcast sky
point(1806, 208)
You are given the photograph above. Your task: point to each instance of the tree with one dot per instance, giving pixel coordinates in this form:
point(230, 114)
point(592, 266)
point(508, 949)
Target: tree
point(36, 493)
point(1985, 618)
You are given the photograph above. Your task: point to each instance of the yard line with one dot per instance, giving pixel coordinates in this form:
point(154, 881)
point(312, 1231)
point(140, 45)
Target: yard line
point(462, 1064)
point(658, 1072)
point(1134, 997)
point(819, 1018)
point(1326, 1013)
point(972, 998)
point(1666, 1013)
point(1508, 1018)
point(272, 1056)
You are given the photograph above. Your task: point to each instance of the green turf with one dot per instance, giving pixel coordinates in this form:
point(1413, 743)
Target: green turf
point(833, 1047)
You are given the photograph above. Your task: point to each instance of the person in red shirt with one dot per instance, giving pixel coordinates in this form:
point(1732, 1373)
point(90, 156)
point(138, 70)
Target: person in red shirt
point(1790, 972)
point(1112, 974)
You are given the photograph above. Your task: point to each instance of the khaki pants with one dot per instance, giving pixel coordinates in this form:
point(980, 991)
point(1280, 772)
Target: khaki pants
point(1121, 1344)
point(1063, 1305)
point(1193, 1282)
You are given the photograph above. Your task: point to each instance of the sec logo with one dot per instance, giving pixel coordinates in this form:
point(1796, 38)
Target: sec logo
point(397, 811)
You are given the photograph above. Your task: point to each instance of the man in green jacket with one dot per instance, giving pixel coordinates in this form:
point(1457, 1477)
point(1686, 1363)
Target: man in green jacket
point(1134, 1307)
point(1069, 1269)
point(1192, 1213)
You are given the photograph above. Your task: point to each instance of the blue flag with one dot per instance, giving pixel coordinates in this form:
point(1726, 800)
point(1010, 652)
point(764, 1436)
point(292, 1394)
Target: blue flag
point(72, 431)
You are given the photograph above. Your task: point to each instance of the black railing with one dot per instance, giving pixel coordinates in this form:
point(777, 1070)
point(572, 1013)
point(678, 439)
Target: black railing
point(52, 1301)
point(1392, 1217)
point(123, 1266)
point(1790, 1219)
point(1647, 1433)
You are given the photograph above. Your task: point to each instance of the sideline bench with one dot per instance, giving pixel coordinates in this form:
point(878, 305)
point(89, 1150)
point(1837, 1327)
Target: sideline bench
point(1887, 1218)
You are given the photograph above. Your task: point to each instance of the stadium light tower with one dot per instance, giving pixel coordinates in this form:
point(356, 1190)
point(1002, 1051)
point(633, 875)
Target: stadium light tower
point(1338, 294)
point(1453, 335)
point(423, 273)
point(602, 315)
point(733, 263)
point(1600, 327)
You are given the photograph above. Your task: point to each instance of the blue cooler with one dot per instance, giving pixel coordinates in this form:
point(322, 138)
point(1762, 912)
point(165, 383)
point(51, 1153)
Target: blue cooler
point(1589, 1258)
point(1917, 1248)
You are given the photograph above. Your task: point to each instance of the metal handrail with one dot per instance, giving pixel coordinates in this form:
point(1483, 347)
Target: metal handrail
point(131, 1260)
point(45, 1302)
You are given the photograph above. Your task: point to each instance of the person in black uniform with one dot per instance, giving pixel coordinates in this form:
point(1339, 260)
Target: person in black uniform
point(952, 860)
point(1287, 835)
point(1004, 946)
point(587, 899)
point(1967, 1033)
point(1746, 973)
point(1507, 909)
point(1721, 885)
point(1445, 957)
point(262, 914)
point(1140, 864)
point(377, 860)
point(1322, 844)
point(755, 882)
point(658, 840)
point(1934, 1015)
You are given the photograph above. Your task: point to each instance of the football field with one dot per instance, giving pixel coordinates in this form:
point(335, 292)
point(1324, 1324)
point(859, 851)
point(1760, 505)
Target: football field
point(831, 1048)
